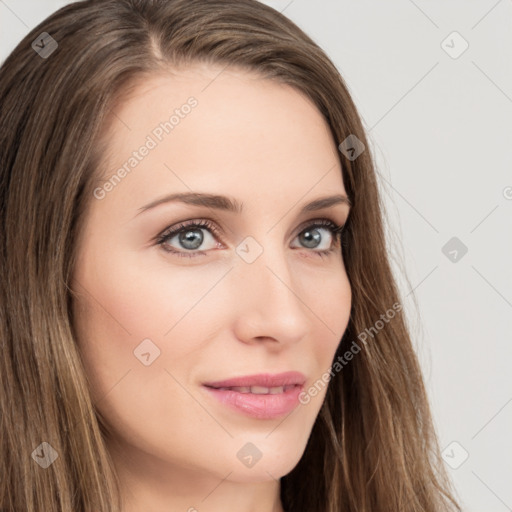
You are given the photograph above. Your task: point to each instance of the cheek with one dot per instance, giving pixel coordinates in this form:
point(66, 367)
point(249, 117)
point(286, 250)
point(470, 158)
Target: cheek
point(130, 308)
point(329, 298)
point(126, 305)
point(331, 304)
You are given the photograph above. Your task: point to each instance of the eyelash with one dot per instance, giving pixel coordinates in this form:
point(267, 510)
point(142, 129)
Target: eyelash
point(333, 227)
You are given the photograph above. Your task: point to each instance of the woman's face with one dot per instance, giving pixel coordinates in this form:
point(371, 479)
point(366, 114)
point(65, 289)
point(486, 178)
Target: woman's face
point(245, 293)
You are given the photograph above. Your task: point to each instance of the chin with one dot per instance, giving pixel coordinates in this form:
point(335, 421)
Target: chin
point(265, 457)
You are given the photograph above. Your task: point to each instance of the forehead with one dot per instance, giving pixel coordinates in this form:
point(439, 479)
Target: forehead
point(215, 128)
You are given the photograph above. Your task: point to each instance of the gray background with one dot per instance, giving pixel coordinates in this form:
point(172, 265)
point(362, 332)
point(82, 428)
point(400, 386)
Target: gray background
point(436, 122)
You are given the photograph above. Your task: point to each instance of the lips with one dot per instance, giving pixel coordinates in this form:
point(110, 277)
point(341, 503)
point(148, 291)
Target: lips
point(262, 396)
point(260, 382)
point(257, 390)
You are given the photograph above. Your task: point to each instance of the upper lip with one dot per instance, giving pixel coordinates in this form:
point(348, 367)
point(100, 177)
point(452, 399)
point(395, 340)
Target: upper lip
point(267, 380)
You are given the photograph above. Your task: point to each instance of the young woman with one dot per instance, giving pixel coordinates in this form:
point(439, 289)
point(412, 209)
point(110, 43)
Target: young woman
point(198, 311)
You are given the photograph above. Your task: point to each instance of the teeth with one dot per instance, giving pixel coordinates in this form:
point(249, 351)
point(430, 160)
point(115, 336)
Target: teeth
point(259, 390)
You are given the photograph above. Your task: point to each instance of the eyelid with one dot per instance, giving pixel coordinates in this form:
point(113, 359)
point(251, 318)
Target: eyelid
point(204, 223)
point(200, 222)
point(213, 226)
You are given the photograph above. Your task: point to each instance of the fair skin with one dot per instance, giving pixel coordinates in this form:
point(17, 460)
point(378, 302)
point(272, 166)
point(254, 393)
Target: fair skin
point(212, 316)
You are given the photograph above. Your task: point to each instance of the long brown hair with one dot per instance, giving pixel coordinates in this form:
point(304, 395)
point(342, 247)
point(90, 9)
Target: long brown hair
point(373, 446)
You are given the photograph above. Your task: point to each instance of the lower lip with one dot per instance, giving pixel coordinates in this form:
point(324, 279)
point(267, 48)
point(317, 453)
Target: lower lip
point(259, 406)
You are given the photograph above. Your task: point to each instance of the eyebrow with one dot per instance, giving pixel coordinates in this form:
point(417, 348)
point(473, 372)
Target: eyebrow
point(225, 203)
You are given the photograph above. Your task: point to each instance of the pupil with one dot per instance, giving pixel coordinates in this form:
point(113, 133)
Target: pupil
point(311, 238)
point(191, 239)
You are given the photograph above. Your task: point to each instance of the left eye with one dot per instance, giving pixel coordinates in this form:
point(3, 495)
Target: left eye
point(190, 237)
point(312, 238)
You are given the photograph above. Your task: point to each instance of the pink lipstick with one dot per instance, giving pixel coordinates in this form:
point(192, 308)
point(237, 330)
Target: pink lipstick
point(262, 396)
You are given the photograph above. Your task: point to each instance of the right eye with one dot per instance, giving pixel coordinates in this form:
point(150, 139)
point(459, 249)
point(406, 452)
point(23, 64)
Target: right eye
point(190, 237)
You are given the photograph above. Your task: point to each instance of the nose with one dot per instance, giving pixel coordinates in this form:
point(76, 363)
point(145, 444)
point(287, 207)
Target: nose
point(268, 301)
